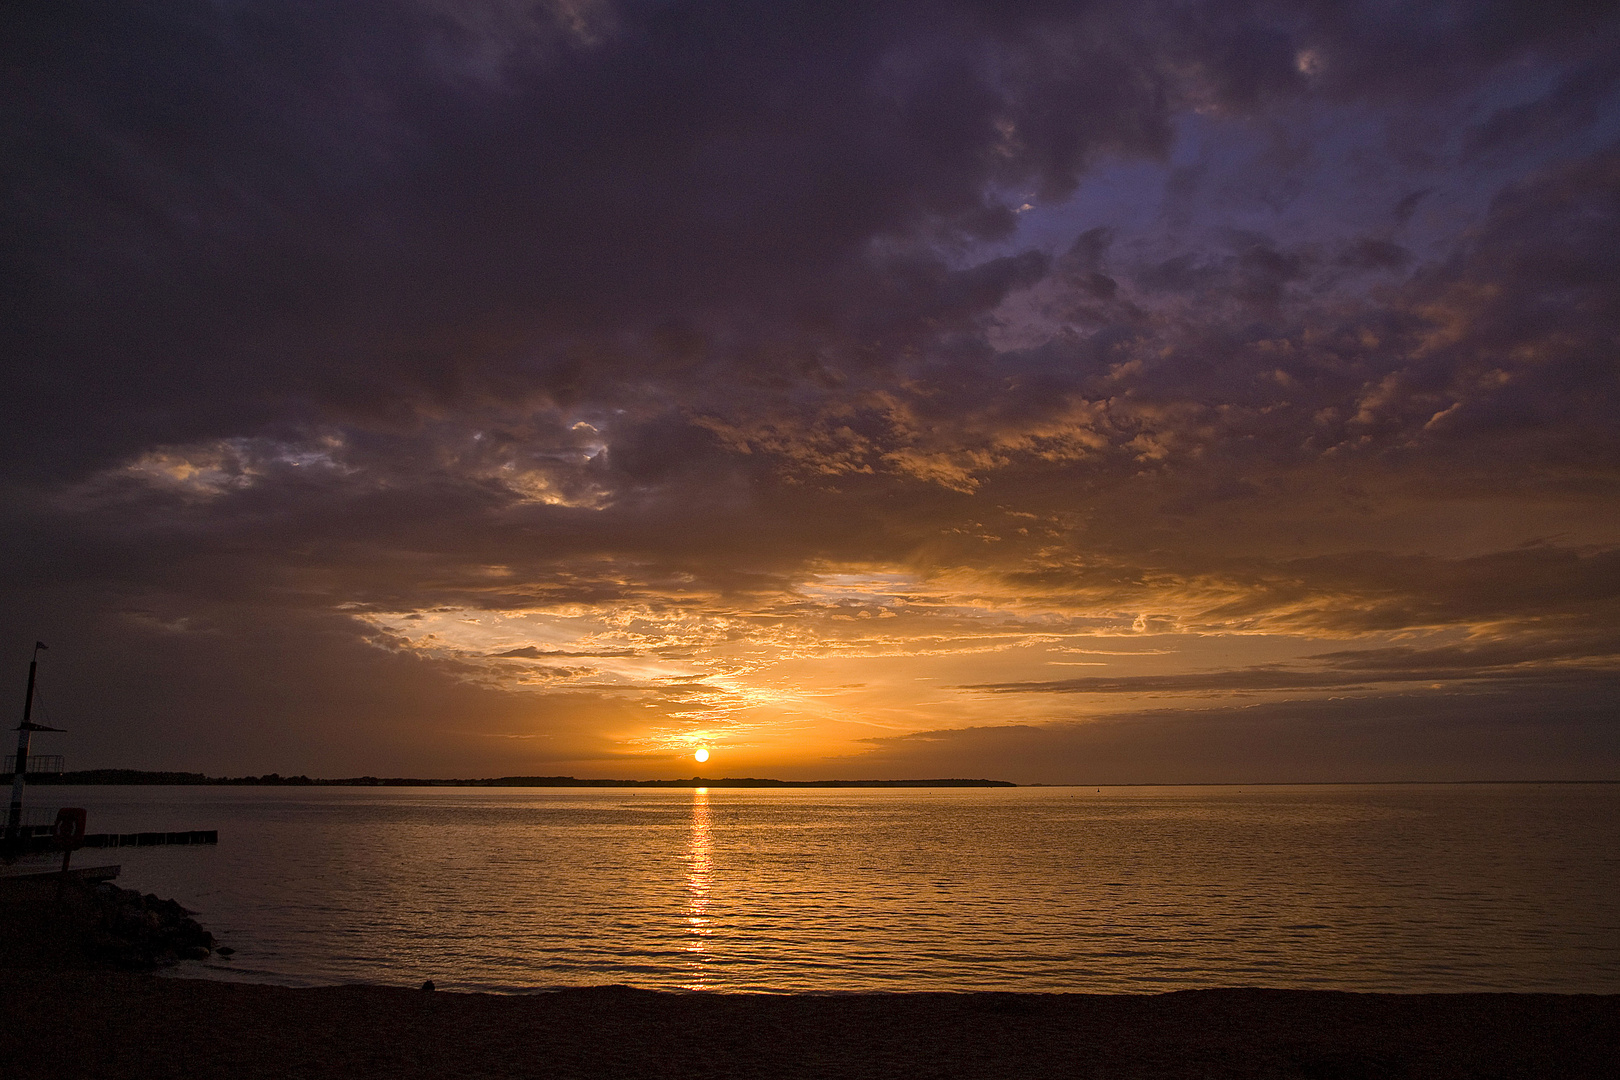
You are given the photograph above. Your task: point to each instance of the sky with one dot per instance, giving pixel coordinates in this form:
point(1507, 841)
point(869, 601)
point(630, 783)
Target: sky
point(1110, 392)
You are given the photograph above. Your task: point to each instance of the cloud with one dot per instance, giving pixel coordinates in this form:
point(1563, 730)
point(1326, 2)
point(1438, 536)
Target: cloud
point(529, 652)
point(715, 342)
point(378, 216)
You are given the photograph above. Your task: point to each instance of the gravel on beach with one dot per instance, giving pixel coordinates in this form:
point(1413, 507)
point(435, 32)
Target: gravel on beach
point(116, 1024)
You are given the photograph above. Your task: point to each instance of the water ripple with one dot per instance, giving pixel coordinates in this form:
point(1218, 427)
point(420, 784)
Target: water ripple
point(1400, 887)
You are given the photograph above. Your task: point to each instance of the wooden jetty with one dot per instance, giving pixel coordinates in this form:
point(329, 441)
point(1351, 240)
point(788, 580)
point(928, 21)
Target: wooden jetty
point(151, 839)
point(89, 874)
point(46, 843)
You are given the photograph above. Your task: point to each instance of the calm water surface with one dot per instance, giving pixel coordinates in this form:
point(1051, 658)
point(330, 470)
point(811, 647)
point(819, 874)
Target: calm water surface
point(1405, 888)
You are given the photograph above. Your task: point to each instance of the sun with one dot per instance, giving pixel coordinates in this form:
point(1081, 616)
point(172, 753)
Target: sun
point(702, 754)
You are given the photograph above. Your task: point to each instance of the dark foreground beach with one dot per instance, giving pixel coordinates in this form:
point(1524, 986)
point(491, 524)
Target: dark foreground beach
point(108, 1024)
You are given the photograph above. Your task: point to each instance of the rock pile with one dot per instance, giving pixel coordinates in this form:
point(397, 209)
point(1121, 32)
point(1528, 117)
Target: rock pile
point(137, 932)
point(94, 926)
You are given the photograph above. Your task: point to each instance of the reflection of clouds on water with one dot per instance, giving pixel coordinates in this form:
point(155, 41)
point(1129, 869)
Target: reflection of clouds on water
point(698, 865)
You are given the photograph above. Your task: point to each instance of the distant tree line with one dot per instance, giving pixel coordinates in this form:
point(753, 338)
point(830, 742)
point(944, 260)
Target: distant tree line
point(145, 776)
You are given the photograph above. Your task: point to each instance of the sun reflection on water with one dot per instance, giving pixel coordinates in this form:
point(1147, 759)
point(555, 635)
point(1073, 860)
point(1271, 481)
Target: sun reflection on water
point(699, 863)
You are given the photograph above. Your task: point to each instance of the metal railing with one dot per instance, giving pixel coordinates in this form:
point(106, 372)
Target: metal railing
point(37, 763)
point(36, 817)
point(37, 822)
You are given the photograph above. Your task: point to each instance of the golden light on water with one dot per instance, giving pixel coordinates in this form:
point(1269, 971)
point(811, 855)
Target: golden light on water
point(702, 754)
point(698, 866)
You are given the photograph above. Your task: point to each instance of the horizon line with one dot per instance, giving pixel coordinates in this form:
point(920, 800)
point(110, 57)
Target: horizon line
point(178, 778)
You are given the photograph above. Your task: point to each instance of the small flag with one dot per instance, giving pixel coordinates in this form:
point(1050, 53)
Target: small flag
point(39, 645)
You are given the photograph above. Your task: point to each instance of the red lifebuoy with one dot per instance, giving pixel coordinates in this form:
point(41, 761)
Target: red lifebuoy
point(70, 828)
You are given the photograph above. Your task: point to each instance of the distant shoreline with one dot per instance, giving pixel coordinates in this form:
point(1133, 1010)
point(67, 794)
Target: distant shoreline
point(142, 777)
point(138, 777)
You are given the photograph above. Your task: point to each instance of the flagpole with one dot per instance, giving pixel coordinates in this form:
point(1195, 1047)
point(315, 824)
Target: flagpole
point(19, 777)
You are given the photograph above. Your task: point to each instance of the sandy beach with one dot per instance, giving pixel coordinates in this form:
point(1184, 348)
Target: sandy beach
point(102, 1024)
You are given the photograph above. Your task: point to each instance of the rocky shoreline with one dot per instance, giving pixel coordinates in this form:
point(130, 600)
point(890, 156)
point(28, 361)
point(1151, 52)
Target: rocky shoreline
point(75, 924)
point(139, 932)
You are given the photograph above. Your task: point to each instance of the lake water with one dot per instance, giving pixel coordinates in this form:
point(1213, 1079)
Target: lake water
point(1391, 888)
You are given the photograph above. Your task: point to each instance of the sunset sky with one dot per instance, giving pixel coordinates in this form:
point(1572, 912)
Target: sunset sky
point(1053, 392)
